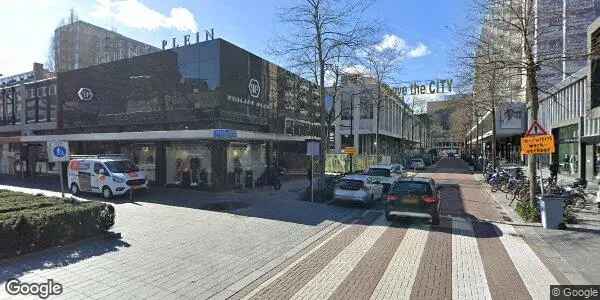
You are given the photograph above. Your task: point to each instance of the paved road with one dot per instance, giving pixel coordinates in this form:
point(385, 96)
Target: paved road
point(464, 258)
point(284, 249)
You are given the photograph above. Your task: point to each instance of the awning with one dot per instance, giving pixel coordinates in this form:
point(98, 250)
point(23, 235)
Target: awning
point(172, 135)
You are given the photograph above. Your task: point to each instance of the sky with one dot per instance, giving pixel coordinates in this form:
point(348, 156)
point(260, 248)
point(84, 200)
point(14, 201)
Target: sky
point(421, 28)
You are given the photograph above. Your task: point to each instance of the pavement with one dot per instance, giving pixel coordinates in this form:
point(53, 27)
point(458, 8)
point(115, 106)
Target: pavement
point(574, 251)
point(280, 248)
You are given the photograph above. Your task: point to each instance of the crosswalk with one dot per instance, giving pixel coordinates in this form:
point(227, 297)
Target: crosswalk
point(379, 261)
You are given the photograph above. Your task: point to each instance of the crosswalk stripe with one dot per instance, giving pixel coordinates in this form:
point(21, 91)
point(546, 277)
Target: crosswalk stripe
point(468, 274)
point(400, 274)
point(294, 264)
point(294, 277)
point(535, 275)
point(325, 282)
point(434, 278)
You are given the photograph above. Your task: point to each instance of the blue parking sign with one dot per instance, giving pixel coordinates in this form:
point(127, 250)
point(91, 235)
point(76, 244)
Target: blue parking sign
point(60, 151)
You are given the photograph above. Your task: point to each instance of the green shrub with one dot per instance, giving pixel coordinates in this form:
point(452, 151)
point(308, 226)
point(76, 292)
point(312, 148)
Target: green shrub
point(528, 211)
point(30, 223)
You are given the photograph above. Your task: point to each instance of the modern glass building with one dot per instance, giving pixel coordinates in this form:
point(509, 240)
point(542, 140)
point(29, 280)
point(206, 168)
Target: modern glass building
point(207, 115)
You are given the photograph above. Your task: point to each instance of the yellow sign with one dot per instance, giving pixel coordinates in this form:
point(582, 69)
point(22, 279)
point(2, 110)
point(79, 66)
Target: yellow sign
point(350, 151)
point(537, 144)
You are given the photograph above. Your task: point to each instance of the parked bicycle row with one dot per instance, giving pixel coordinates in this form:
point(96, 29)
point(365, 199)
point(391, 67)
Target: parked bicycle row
point(512, 181)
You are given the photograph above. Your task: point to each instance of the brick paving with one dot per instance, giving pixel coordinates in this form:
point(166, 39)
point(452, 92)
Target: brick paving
point(282, 249)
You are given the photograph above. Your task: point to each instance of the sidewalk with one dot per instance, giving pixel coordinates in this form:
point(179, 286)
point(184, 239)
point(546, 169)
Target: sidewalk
point(573, 251)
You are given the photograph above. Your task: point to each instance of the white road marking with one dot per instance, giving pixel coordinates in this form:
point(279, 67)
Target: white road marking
point(535, 275)
point(324, 284)
point(295, 263)
point(401, 272)
point(468, 273)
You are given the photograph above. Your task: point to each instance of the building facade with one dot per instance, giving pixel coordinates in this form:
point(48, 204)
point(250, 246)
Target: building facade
point(28, 106)
point(562, 25)
point(208, 115)
point(441, 114)
point(400, 129)
point(511, 123)
point(80, 45)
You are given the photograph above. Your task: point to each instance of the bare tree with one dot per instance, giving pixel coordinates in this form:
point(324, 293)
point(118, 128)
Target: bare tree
point(382, 64)
point(511, 30)
point(320, 32)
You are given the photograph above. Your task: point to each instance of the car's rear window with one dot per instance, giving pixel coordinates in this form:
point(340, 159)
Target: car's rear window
point(349, 184)
point(411, 187)
point(379, 172)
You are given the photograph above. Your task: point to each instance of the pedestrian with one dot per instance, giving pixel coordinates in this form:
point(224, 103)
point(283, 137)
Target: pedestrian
point(554, 171)
point(572, 163)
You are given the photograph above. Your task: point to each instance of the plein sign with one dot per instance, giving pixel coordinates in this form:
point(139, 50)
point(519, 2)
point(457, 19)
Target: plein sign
point(254, 88)
point(537, 144)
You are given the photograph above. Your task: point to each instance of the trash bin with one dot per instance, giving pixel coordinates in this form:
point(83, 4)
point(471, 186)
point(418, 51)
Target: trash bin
point(551, 210)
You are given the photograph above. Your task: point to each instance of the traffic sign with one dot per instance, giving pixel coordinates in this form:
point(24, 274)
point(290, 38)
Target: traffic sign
point(313, 147)
point(536, 129)
point(58, 151)
point(352, 151)
point(537, 144)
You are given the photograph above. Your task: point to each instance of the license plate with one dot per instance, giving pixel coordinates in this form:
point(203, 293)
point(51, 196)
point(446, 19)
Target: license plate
point(411, 200)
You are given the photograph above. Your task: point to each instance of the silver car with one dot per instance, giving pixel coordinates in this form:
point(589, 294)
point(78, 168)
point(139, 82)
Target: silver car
point(417, 164)
point(358, 188)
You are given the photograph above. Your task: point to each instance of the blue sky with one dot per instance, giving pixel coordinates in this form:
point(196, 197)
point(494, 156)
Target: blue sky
point(28, 25)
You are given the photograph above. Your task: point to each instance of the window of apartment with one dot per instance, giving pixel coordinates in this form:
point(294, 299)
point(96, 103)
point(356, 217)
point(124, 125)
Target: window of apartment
point(31, 110)
point(52, 90)
point(366, 109)
point(595, 69)
point(41, 91)
point(42, 110)
point(346, 107)
point(3, 111)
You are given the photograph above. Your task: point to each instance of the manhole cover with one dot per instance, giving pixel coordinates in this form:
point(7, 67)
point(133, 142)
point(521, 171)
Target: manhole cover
point(225, 206)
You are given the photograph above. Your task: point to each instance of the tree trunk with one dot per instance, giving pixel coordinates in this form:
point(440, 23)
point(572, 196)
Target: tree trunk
point(494, 154)
point(532, 96)
point(377, 121)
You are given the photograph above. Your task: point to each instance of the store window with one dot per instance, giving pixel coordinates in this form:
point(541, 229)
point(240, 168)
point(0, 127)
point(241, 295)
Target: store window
point(246, 164)
point(144, 156)
point(189, 165)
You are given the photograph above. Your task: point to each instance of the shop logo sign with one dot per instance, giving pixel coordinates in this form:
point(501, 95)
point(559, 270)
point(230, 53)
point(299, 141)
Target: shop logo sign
point(85, 94)
point(254, 88)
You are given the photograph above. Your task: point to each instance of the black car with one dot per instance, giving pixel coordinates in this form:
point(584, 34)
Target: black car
point(413, 197)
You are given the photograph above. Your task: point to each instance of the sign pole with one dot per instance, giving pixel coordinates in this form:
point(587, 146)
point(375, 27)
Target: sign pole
point(312, 180)
point(62, 180)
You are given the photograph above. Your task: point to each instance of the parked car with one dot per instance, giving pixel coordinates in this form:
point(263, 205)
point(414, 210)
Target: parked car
point(417, 164)
point(385, 175)
point(358, 188)
point(413, 197)
point(109, 175)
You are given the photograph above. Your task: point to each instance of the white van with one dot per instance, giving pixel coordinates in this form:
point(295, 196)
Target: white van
point(109, 175)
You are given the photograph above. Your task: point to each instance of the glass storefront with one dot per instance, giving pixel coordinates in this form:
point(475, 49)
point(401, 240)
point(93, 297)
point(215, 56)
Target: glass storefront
point(144, 156)
point(568, 150)
point(246, 163)
point(188, 165)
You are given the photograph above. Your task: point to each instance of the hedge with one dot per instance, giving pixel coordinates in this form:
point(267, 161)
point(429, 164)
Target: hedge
point(29, 223)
